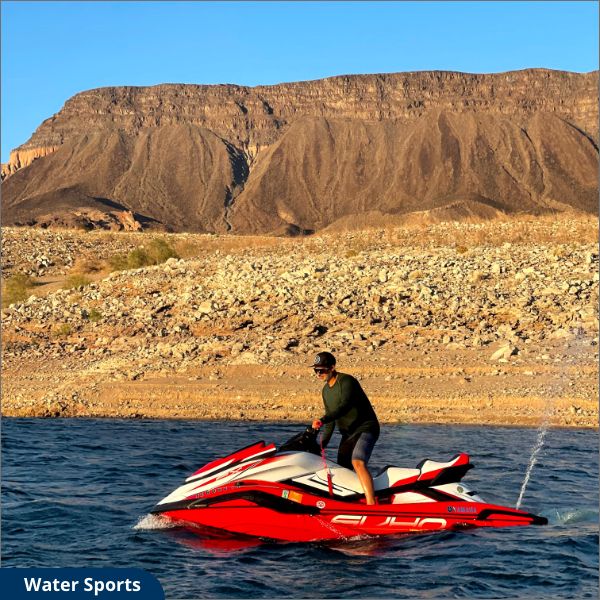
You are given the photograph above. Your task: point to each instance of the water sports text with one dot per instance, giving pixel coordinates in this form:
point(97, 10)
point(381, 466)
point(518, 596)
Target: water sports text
point(89, 584)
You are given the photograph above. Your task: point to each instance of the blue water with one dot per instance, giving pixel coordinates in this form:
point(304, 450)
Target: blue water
point(76, 493)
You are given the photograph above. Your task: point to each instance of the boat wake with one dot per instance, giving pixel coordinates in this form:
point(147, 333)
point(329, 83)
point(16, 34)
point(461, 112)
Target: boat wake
point(153, 522)
point(577, 515)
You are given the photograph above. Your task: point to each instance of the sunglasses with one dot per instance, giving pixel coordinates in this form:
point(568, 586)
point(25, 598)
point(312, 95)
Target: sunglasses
point(321, 371)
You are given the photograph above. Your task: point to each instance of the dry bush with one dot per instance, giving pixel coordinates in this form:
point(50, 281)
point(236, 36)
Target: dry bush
point(87, 265)
point(159, 251)
point(550, 229)
point(559, 251)
point(483, 236)
point(118, 262)
point(231, 243)
point(94, 315)
point(138, 258)
point(366, 241)
point(156, 252)
point(517, 229)
point(62, 330)
point(194, 245)
point(76, 280)
point(16, 289)
point(188, 248)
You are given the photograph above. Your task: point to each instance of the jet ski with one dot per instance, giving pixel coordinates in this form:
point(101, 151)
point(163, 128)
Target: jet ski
point(292, 493)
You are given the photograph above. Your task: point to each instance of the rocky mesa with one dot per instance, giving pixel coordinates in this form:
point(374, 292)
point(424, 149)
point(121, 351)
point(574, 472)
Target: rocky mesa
point(305, 156)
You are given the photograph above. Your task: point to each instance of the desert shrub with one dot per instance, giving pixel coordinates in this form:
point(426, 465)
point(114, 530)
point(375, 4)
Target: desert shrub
point(159, 251)
point(188, 249)
point(156, 252)
point(559, 251)
point(94, 315)
point(483, 236)
point(138, 258)
point(16, 288)
point(118, 262)
point(461, 249)
point(87, 265)
point(76, 280)
point(63, 330)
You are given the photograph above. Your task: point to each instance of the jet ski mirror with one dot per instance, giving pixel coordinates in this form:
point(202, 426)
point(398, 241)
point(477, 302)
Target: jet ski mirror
point(303, 442)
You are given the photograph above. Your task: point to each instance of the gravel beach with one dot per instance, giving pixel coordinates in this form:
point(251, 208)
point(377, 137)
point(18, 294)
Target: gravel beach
point(473, 323)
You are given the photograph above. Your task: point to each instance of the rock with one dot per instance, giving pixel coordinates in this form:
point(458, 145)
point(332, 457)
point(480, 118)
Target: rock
point(504, 351)
point(559, 334)
point(246, 358)
point(205, 308)
point(476, 276)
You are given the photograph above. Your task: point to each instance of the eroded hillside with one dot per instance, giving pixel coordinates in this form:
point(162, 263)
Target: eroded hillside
point(299, 157)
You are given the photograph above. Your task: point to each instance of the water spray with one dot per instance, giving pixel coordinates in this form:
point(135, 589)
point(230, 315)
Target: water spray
point(534, 456)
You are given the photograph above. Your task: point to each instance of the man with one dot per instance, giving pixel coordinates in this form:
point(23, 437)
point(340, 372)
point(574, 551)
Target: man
point(347, 405)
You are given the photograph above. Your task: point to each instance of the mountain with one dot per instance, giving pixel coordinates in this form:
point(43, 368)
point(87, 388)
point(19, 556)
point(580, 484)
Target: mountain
point(300, 157)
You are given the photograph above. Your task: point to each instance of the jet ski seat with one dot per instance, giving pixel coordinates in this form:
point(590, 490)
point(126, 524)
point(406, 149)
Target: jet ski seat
point(392, 476)
point(345, 481)
point(446, 472)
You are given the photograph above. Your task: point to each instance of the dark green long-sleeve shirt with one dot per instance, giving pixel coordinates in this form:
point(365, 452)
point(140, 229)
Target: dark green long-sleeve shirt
point(347, 406)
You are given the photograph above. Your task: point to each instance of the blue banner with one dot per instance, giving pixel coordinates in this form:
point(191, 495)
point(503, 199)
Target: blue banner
point(79, 584)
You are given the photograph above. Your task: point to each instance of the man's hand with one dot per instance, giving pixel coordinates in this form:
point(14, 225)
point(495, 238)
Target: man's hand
point(316, 424)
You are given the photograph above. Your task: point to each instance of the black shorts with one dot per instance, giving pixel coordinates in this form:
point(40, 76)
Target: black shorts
point(356, 447)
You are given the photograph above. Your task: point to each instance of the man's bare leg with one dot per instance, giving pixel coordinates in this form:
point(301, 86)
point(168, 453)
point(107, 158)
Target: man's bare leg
point(365, 480)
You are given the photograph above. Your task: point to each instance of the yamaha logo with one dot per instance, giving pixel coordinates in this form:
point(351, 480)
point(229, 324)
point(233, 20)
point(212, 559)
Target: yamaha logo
point(317, 359)
point(321, 504)
point(462, 509)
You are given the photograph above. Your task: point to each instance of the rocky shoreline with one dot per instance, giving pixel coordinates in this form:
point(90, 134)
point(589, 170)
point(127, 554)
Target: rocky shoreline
point(451, 323)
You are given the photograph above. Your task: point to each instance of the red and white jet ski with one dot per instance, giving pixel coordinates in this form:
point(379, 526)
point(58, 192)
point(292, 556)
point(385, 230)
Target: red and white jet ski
point(290, 493)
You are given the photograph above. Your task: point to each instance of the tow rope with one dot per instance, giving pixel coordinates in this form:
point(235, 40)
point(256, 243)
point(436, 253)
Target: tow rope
point(329, 478)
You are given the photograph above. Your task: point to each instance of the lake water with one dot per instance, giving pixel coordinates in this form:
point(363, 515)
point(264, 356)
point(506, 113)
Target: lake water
point(76, 493)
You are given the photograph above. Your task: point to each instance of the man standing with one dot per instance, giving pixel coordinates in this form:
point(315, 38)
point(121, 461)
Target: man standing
point(347, 405)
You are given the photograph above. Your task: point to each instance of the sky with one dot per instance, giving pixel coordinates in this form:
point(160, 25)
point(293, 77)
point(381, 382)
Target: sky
point(53, 50)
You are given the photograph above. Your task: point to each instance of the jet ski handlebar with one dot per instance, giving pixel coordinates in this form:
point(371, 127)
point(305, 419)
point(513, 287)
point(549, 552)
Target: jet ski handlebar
point(306, 441)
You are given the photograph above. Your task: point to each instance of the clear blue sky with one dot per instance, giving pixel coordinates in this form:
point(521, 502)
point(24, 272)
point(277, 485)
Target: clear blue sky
point(52, 50)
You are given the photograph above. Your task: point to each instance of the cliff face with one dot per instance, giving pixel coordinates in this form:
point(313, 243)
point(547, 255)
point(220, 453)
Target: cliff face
point(23, 158)
point(322, 170)
point(302, 155)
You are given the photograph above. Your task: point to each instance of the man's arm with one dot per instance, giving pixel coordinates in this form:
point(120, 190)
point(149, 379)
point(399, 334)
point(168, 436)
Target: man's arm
point(326, 433)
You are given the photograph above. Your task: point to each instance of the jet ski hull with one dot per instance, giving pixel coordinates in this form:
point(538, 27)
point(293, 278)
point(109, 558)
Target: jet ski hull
point(311, 518)
point(284, 495)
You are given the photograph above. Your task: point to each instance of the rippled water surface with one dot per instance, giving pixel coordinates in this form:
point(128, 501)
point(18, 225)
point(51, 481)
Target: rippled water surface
point(77, 493)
